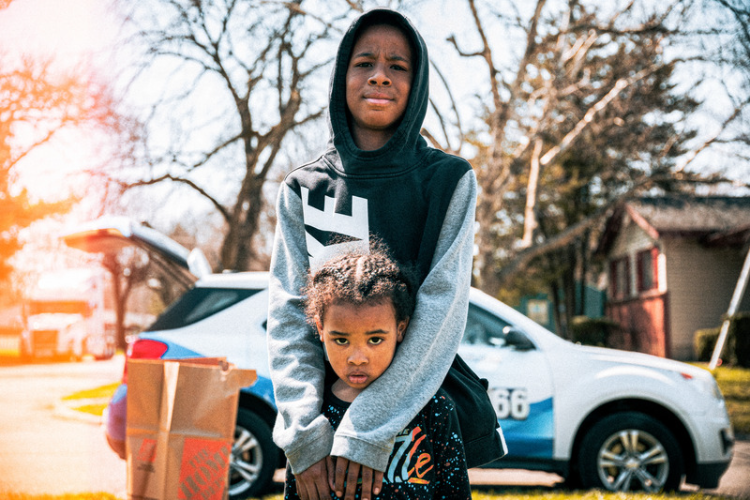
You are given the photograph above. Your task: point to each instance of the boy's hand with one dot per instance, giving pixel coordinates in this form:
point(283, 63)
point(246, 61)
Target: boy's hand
point(372, 480)
point(312, 483)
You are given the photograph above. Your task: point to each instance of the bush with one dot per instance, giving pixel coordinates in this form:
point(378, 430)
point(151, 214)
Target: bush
point(740, 328)
point(736, 349)
point(593, 331)
point(704, 342)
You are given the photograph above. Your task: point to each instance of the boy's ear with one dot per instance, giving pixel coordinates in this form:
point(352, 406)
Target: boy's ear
point(401, 329)
point(319, 327)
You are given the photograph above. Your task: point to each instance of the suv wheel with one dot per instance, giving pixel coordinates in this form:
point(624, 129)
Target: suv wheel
point(630, 451)
point(254, 457)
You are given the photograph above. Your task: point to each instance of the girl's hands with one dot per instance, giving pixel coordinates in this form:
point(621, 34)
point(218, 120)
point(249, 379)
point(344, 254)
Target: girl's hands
point(372, 480)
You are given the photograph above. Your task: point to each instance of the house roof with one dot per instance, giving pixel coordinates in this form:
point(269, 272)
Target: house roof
point(714, 220)
point(701, 214)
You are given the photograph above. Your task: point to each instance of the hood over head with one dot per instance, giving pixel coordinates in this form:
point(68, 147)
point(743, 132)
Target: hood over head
point(402, 150)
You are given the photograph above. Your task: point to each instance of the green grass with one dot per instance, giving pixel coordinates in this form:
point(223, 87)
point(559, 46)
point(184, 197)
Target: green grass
point(477, 495)
point(92, 409)
point(735, 386)
point(104, 391)
point(574, 495)
point(67, 496)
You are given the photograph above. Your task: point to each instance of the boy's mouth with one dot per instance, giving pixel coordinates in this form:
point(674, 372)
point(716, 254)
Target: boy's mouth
point(378, 100)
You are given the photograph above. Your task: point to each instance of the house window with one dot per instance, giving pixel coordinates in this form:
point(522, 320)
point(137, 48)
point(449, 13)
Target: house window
point(647, 265)
point(620, 278)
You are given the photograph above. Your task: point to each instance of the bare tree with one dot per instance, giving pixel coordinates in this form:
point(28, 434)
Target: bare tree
point(739, 12)
point(587, 108)
point(237, 84)
point(36, 103)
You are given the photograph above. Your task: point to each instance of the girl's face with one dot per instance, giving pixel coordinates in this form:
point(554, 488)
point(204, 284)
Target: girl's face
point(360, 341)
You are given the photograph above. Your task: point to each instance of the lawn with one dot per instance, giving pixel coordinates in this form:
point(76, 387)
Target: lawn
point(525, 495)
point(93, 401)
point(735, 386)
point(67, 496)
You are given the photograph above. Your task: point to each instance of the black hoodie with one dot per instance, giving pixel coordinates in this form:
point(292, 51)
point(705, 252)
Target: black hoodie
point(420, 201)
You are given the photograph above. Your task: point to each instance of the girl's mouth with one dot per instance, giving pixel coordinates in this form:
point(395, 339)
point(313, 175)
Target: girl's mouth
point(357, 378)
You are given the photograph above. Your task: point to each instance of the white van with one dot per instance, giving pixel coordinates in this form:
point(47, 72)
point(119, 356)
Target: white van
point(66, 315)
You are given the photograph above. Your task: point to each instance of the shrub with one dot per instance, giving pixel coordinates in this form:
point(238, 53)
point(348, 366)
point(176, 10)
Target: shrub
point(593, 331)
point(740, 328)
point(737, 346)
point(704, 342)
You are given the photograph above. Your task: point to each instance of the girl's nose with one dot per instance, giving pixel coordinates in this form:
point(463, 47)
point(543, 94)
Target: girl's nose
point(357, 358)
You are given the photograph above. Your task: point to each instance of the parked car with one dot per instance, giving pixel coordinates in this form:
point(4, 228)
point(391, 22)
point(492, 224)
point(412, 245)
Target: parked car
point(598, 417)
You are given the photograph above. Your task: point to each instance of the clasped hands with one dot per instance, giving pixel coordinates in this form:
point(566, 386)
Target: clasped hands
point(335, 474)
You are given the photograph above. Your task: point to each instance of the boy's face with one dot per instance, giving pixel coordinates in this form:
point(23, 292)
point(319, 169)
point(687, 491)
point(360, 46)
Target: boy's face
point(360, 341)
point(378, 82)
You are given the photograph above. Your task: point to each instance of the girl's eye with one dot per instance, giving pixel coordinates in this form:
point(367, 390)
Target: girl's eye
point(340, 341)
point(376, 340)
point(400, 68)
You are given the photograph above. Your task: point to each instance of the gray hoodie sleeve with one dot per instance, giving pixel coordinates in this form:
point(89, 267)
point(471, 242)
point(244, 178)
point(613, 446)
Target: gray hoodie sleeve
point(295, 354)
point(368, 429)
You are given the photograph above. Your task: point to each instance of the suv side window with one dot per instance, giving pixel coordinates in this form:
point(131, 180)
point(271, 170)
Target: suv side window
point(198, 304)
point(483, 328)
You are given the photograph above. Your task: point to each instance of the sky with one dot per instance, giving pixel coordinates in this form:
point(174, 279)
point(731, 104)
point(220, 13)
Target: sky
point(68, 32)
point(65, 29)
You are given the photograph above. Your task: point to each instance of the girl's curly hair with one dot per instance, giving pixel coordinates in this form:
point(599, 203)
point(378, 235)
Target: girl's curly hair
point(360, 278)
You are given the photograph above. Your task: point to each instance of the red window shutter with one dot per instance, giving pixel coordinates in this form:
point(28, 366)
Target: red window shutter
point(613, 279)
point(639, 271)
point(655, 266)
point(627, 275)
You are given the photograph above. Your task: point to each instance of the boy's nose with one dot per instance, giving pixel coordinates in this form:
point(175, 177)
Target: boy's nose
point(379, 77)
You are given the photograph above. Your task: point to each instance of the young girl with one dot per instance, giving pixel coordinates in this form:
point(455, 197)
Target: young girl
point(360, 305)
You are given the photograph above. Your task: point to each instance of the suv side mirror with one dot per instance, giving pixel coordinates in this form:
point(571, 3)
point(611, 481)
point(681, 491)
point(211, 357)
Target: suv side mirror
point(517, 340)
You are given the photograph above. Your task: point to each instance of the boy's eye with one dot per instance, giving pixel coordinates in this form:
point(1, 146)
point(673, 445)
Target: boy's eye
point(340, 341)
point(376, 340)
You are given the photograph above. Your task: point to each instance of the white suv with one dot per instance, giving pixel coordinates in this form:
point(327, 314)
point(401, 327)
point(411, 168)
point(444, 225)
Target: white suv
point(598, 417)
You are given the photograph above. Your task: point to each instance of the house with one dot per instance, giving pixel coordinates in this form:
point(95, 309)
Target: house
point(672, 266)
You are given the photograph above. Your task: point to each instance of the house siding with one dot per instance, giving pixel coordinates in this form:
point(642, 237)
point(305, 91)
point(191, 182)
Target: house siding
point(643, 317)
point(701, 283)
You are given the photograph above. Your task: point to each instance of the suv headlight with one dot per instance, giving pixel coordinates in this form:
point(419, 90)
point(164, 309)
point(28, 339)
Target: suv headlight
point(705, 384)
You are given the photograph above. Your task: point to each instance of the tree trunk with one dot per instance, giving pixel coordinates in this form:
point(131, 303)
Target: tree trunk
point(529, 219)
point(237, 251)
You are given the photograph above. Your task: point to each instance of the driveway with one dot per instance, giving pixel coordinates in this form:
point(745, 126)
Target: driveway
point(47, 450)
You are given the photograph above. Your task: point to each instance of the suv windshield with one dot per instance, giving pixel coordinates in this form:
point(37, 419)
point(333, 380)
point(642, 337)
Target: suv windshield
point(198, 304)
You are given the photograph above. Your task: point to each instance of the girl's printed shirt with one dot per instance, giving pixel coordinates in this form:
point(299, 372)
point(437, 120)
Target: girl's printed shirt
point(427, 461)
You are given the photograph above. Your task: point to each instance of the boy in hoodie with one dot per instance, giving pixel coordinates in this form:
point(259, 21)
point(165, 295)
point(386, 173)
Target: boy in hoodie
point(377, 178)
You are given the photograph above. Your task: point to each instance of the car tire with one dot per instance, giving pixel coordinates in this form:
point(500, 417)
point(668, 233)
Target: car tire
point(254, 457)
point(630, 451)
